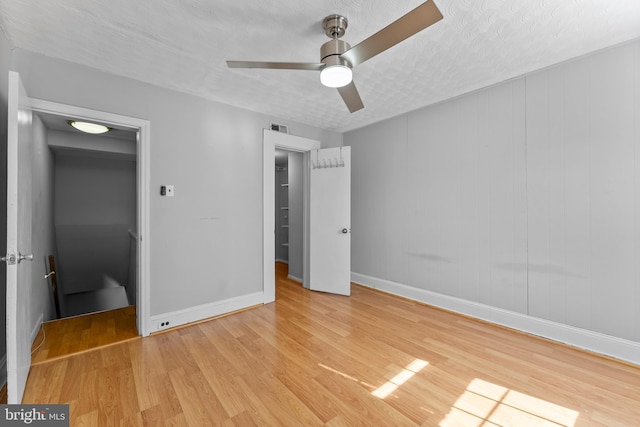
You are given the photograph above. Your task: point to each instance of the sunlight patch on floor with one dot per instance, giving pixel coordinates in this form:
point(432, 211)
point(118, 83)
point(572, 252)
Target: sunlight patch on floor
point(487, 404)
point(392, 385)
point(342, 374)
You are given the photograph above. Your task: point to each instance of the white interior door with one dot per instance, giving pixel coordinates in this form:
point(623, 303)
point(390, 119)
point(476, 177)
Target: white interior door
point(330, 220)
point(19, 147)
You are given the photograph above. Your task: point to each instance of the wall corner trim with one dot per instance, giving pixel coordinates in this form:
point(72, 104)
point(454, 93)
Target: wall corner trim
point(618, 348)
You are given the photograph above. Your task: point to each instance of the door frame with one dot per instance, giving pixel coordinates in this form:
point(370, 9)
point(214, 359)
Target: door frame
point(143, 128)
point(271, 141)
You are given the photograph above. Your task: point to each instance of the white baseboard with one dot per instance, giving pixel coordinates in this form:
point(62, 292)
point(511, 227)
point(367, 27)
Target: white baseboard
point(36, 327)
point(204, 311)
point(294, 278)
point(607, 345)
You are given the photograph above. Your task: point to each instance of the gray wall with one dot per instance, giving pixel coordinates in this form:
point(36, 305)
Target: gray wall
point(42, 230)
point(205, 241)
point(583, 174)
point(523, 196)
point(94, 191)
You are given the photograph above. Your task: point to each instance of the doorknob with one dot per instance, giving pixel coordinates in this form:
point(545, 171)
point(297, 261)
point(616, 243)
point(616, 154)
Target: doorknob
point(25, 257)
point(10, 259)
point(345, 230)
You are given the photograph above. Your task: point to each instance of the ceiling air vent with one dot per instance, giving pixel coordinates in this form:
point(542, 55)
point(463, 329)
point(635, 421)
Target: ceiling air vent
point(279, 128)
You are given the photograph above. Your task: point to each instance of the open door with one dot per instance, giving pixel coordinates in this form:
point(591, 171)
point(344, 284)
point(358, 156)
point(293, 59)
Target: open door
point(330, 220)
point(327, 214)
point(19, 148)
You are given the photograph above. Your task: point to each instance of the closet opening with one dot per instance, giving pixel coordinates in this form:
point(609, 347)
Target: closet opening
point(289, 208)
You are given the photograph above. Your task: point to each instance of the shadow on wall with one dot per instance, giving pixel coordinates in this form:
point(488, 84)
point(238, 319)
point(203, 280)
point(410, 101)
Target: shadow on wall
point(95, 267)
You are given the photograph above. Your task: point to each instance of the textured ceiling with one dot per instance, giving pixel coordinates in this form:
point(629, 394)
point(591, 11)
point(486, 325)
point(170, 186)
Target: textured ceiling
point(183, 45)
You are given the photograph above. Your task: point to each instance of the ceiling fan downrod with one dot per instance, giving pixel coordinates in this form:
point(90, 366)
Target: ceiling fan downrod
point(334, 27)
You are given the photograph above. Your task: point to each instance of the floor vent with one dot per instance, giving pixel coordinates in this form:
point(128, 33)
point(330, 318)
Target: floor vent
point(279, 128)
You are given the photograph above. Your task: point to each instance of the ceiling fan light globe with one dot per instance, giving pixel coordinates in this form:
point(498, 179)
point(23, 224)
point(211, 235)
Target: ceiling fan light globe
point(336, 76)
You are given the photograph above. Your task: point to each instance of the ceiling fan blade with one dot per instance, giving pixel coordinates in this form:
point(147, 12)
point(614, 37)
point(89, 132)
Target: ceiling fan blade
point(351, 97)
point(276, 65)
point(417, 20)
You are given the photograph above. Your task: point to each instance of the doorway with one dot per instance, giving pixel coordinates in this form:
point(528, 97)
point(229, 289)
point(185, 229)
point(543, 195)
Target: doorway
point(94, 227)
point(272, 141)
point(139, 155)
point(326, 215)
point(289, 185)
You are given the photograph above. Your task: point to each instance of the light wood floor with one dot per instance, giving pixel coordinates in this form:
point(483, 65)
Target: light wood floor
point(63, 337)
point(317, 359)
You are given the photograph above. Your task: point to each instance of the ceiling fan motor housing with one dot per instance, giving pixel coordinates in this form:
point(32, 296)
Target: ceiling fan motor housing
point(330, 53)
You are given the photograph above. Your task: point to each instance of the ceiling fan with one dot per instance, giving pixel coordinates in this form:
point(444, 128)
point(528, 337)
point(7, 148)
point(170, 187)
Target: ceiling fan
point(337, 57)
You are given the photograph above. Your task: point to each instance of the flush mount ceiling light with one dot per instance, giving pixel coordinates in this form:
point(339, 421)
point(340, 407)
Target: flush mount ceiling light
point(87, 127)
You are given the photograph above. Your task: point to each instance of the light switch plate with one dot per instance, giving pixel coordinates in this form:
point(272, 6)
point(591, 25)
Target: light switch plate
point(170, 190)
